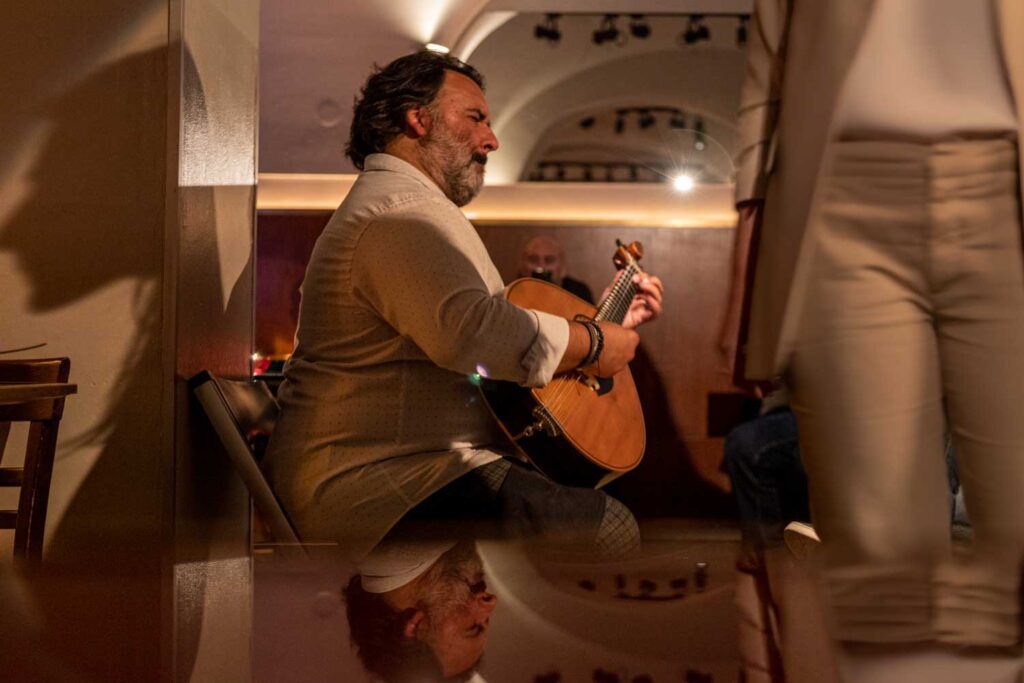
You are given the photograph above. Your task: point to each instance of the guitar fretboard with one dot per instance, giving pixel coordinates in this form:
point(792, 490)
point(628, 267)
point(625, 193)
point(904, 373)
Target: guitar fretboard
point(616, 304)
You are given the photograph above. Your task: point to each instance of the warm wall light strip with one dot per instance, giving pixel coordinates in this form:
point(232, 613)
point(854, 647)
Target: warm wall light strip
point(656, 204)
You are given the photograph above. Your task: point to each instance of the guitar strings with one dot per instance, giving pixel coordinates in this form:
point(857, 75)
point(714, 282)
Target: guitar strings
point(612, 309)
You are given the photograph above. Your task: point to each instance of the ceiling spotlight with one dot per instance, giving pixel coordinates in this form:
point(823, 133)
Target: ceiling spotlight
point(704, 32)
point(683, 183)
point(699, 138)
point(678, 120)
point(548, 30)
point(587, 122)
point(646, 119)
point(741, 31)
point(607, 32)
point(639, 27)
point(696, 30)
point(440, 49)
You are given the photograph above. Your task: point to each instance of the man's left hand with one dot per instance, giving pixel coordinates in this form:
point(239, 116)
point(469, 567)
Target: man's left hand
point(646, 304)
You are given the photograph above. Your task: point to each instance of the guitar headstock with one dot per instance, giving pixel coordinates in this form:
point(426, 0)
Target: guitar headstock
point(627, 254)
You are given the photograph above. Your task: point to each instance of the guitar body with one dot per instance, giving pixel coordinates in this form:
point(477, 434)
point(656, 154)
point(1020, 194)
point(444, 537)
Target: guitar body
point(582, 434)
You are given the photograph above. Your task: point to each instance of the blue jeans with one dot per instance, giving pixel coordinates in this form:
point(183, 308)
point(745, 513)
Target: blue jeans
point(762, 458)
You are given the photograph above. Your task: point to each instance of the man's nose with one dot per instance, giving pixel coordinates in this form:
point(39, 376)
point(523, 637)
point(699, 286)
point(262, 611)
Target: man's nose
point(490, 141)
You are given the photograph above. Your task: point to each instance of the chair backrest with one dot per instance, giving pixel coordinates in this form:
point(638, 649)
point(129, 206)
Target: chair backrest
point(243, 414)
point(33, 477)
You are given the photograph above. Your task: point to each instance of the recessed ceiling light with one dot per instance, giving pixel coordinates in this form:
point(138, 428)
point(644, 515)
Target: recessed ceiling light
point(434, 47)
point(683, 183)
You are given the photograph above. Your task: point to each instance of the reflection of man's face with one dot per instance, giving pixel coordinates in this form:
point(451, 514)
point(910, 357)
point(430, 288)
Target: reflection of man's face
point(459, 139)
point(458, 610)
point(542, 254)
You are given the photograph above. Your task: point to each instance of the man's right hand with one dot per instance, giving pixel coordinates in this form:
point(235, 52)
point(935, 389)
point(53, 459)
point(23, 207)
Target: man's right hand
point(619, 348)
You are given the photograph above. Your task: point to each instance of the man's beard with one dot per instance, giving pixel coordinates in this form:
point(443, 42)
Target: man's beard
point(452, 584)
point(458, 170)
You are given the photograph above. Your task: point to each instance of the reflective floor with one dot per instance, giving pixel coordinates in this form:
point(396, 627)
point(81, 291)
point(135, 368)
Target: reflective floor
point(510, 613)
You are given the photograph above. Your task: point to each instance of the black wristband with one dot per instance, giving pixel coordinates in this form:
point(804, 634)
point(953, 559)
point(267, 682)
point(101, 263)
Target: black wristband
point(593, 343)
point(596, 342)
point(600, 343)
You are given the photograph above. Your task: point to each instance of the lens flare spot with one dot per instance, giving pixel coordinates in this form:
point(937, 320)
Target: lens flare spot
point(683, 183)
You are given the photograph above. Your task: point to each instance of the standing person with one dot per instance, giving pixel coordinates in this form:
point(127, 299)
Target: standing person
point(544, 258)
point(380, 419)
point(879, 150)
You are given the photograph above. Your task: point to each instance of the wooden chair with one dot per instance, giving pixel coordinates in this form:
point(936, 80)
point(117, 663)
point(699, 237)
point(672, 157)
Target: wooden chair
point(31, 391)
point(243, 415)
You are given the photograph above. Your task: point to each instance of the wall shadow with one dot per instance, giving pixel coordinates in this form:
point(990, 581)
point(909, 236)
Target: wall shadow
point(97, 215)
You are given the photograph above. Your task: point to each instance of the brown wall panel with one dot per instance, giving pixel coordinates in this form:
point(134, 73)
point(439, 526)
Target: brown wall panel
point(284, 242)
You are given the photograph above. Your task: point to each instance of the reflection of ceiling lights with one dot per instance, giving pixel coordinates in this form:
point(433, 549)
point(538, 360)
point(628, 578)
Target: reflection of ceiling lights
point(639, 27)
point(608, 32)
point(696, 30)
point(548, 30)
point(699, 137)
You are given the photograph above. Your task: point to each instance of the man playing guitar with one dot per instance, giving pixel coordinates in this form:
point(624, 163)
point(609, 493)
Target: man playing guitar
point(381, 423)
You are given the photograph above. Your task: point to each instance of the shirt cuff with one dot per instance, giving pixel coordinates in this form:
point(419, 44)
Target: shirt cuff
point(544, 355)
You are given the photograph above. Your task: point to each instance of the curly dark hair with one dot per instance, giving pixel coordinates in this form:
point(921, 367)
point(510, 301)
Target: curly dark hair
point(410, 81)
point(377, 632)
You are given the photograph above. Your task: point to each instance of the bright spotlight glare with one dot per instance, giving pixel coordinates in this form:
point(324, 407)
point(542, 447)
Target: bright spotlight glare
point(434, 47)
point(683, 183)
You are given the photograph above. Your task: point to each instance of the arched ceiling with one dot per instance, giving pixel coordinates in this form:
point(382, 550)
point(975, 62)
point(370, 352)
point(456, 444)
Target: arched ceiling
point(701, 81)
point(315, 55)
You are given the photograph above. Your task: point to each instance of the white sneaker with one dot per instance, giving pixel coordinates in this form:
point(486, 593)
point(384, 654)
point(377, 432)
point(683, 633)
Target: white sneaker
point(801, 539)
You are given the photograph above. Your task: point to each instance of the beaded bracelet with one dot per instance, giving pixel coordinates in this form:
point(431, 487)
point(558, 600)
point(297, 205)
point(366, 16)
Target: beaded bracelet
point(593, 342)
point(596, 342)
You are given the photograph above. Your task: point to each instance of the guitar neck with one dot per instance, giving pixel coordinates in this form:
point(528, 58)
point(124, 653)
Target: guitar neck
point(616, 304)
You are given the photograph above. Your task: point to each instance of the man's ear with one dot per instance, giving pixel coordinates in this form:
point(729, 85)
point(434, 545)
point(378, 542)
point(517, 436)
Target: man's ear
point(413, 623)
point(418, 119)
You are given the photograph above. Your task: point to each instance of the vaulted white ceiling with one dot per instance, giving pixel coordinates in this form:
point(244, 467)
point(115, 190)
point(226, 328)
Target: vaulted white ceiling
point(315, 55)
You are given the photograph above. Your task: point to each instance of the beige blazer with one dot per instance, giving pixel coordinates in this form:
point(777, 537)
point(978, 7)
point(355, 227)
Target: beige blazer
point(799, 53)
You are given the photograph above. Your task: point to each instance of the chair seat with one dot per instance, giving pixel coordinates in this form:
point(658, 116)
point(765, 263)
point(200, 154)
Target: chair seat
point(241, 413)
point(33, 392)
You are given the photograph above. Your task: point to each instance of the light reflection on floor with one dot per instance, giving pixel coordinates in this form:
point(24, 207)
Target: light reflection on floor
point(666, 615)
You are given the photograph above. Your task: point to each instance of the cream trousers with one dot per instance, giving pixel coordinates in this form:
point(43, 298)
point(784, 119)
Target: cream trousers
point(915, 311)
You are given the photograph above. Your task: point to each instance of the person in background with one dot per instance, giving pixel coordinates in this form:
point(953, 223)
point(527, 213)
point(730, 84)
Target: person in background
point(544, 258)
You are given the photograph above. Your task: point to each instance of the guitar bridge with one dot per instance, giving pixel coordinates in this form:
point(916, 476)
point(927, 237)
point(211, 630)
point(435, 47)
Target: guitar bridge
point(543, 423)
